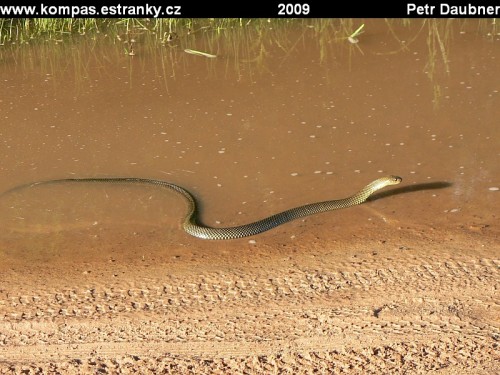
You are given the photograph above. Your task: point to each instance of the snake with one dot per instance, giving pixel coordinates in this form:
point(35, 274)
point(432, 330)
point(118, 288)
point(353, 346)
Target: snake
point(192, 226)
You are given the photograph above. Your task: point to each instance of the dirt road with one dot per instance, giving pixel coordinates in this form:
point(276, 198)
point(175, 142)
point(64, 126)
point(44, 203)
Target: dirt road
point(400, 302)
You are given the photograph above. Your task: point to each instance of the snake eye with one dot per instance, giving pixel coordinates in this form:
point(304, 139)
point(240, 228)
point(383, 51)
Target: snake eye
point(397, 179)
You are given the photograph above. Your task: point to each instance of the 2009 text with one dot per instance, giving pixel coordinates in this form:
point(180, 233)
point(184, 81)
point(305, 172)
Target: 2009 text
point(293, 9)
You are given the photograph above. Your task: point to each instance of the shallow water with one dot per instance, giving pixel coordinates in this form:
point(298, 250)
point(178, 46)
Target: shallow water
point(280, 118)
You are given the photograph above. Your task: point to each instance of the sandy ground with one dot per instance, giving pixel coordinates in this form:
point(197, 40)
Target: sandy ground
point(402, 301)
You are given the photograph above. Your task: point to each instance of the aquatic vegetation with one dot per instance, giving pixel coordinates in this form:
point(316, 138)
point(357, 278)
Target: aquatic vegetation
point(353, 37)
point(26, 30)
point(243, 45)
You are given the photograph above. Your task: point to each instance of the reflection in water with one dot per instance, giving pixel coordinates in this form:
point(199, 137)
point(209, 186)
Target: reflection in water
point(283, 116)
point(246, 49)
point(412, 188)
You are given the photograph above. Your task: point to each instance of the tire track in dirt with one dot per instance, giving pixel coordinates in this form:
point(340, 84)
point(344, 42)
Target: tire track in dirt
point(245, 325)
point(417, 356)
point(215, 288)
point(370, 315)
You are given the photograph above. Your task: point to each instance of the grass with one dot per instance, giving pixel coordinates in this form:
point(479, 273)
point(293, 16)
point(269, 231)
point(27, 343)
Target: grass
point(199, 53)
point(25, 30)
point(353, 37)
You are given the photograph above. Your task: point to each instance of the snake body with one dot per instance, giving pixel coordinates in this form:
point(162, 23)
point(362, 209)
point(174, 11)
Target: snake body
point(194, 228)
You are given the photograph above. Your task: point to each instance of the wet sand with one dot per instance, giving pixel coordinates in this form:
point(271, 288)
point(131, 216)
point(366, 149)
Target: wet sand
point(103, 279)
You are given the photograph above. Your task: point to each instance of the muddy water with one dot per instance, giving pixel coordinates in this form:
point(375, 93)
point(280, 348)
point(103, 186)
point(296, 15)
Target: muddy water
point(280, 118)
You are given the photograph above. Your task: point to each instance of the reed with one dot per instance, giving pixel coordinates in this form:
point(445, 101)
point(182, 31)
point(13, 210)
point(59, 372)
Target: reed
point(26, 30)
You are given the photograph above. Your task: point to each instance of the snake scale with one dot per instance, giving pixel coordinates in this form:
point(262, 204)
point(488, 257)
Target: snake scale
point(191, 225)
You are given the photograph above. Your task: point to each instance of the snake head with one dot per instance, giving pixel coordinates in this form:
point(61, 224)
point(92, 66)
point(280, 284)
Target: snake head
point(395, 180)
